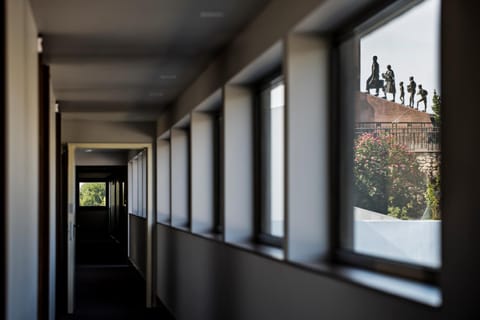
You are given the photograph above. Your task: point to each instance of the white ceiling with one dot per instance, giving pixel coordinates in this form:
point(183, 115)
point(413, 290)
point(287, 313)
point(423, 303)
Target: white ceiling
point(133, 57)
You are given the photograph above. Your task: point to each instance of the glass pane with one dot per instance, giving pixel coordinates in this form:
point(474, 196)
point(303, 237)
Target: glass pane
point(130, 184)
point(92, 194)
point(134, 187)
point(276, 160)
point(396, 156)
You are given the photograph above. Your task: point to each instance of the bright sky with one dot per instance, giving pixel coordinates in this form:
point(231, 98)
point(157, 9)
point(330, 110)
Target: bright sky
point(411, 45)
point(277, 96)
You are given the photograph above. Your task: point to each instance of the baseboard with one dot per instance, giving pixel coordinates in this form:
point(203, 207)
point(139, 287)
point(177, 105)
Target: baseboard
point(136, 267)
point(164, 306)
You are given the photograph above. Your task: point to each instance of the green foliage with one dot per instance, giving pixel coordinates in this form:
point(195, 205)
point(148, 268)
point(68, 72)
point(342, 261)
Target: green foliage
point(432, 196)
point(387, 177)
point(93, 194)
point(436, 108)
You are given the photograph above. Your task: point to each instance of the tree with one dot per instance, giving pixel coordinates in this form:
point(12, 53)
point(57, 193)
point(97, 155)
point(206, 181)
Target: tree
point(436, 105)
point(432, 196)
point(93, 194)
point(387, 177)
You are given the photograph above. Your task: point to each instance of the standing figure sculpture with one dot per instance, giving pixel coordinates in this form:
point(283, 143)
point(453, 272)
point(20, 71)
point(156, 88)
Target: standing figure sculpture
point(374, 82)
point(402, 92)
point(423, 93)
point(412, 89)
point(389, 77)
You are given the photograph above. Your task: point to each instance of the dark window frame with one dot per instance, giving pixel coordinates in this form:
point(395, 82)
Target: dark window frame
point(218, 216)
point(340, 141)
point(261, 176)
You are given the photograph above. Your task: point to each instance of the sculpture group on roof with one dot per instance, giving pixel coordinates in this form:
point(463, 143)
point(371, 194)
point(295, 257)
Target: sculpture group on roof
point(388, 86)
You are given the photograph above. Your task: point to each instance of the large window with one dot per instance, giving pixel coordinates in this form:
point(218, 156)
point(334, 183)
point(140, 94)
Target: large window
point(218, 165)
point(390, 125)
point(92, 194)
point(137, 180)
point(272, 154)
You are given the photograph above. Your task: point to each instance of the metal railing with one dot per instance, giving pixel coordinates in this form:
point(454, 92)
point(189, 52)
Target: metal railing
point(416, 136)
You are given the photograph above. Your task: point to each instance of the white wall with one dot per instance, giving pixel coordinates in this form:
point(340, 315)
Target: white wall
point(412, 241)
point(22, 130)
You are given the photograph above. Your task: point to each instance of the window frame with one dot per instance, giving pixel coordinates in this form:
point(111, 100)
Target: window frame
point(218, 140)
point(342, 144)
point(261, 168)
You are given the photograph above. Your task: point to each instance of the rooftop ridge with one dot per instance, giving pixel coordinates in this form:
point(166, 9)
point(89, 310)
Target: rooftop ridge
point(370, 108)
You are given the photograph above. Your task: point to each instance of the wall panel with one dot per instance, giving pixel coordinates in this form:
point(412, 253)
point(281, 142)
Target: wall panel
point(22, 165)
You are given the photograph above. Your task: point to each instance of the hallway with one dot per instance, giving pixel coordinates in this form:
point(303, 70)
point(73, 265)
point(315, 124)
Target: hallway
point(223, 159)
point(112, 292)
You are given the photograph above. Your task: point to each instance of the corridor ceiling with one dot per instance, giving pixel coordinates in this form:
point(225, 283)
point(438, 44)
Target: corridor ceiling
point(129, 59)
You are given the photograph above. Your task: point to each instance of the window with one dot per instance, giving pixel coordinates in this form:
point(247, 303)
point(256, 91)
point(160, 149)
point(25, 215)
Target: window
point(389, 96)
point(218, 165)
point(272, 156)
point(135, 186)
point(92, 194)
point(137, 179)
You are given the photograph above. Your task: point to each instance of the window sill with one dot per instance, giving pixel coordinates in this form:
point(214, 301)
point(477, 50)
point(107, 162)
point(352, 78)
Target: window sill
point(260, 249)
point(137, 216)
point(210, 235)
point(411, 290)
point(180, 227)
point(164, 223)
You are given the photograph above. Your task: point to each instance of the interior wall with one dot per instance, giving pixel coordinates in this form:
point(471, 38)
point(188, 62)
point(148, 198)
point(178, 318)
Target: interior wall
point(53, 202)
point(199, 278)
point(138, 236)
point(22, 129)
point(82, 131)
point(97, 158)
point(230, 283)
point(460, 275)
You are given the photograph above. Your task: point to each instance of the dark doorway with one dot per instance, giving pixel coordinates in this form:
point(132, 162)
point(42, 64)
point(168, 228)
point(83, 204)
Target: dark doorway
point(101, 222)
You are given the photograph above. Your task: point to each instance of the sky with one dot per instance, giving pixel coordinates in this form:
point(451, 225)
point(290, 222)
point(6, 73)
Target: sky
point(410, 43)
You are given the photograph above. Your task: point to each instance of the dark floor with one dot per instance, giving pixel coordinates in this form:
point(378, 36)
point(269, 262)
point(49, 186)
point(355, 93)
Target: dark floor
point(108, 287)
point(112, 292)
point(103, 250)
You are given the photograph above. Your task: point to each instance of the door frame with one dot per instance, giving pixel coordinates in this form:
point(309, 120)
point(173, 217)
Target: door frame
point(3, 122)
point(44, 190)
point(151, 219)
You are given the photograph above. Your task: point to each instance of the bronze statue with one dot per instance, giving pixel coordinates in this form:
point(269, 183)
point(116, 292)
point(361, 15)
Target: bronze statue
point(423, 93)
point(412, 89)
point(389, 87)
point(374, 82)
point(402, 92)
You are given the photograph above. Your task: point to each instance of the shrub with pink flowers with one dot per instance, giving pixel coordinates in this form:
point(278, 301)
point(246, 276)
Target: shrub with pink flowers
point(387, 177)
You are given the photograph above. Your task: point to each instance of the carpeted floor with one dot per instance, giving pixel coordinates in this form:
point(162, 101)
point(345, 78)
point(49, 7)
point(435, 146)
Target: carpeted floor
point(112, 292)
point(108, 287)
